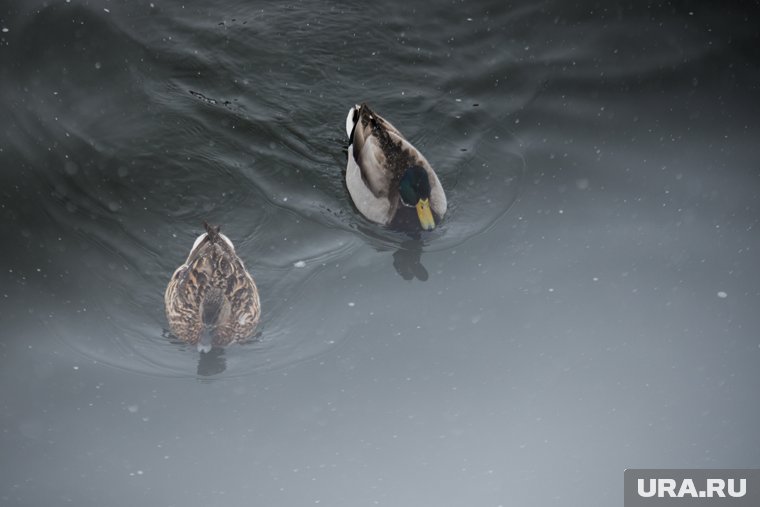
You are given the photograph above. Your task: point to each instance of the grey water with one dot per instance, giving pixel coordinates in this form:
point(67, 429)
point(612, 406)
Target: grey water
point(588, 304)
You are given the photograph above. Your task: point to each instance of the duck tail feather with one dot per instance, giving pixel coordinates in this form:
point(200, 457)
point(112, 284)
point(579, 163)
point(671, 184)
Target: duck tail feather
point(212, 231)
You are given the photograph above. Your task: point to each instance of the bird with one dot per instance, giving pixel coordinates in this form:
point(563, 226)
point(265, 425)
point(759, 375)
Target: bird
point(387, 177)
point(211, 300)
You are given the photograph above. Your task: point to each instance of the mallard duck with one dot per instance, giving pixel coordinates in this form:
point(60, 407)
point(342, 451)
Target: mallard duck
point(211, 299)
point(386, 176)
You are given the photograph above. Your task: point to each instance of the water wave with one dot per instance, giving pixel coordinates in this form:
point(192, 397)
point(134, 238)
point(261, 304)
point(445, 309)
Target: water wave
point(233, 118)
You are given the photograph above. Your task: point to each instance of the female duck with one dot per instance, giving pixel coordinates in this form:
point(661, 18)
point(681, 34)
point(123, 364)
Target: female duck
point(211, 299)
point(386, 176)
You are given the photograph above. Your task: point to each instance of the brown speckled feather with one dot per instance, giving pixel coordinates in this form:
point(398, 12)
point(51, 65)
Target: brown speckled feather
point(212, 290)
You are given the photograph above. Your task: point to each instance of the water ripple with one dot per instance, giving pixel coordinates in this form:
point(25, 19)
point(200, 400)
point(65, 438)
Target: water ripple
point(236, 121)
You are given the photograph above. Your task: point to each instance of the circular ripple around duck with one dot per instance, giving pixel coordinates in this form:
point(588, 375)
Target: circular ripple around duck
point(127, 255)
point(299, 226)
point(126, 327)
point(482, 181)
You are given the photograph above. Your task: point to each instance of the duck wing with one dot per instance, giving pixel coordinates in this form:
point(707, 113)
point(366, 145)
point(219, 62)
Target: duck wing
point(182, 301)
point(368, 153)
point(403, 154)
point(241, 307)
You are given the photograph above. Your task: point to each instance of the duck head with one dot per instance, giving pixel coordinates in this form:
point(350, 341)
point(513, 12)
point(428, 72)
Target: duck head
point(414, 190)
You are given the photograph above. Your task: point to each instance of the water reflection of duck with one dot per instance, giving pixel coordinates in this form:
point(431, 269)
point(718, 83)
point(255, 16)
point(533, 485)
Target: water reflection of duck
point(408, 260)
point(211, 299)
point(386, 175)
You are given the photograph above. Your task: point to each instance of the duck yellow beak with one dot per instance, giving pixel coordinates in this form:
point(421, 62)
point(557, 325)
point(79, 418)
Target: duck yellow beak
point(425, 215)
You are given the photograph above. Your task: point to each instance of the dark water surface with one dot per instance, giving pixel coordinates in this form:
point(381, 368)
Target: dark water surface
point(589, 303)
